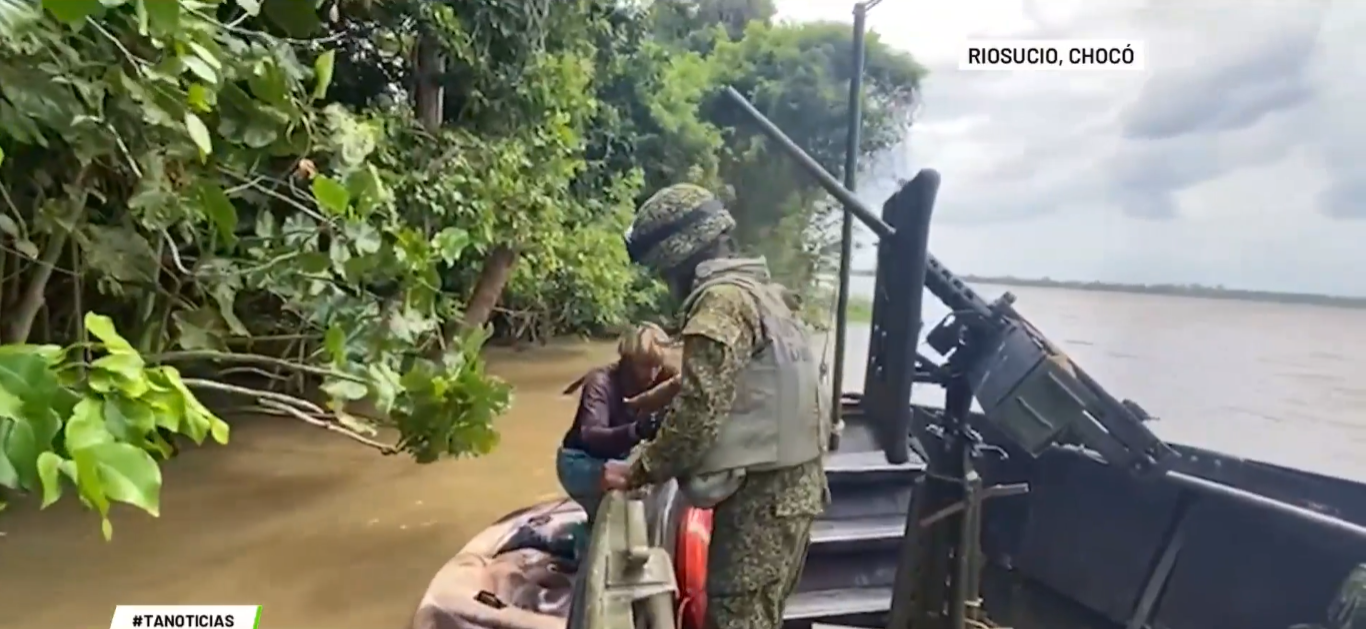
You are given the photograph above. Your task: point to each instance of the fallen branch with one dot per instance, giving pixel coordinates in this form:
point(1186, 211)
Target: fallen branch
point(170, 357)
point(263, 396)
point(276, 408)
point(255, 371)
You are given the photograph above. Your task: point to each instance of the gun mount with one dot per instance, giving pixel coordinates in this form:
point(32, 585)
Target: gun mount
point(1029, 390)
point(1027, 386)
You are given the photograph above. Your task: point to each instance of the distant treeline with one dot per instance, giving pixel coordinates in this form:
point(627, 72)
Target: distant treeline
point(1181, 290)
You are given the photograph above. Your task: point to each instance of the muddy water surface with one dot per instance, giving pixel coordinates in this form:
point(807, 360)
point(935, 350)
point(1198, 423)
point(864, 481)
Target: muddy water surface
point(322, 532)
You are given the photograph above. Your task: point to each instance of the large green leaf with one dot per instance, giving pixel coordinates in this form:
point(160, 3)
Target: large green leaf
point(119, 253)
point(331, 195)
point(297, 18)
point(129, 420)
point(199, 133)
point(450, 242)
point(9, 476)
point(11, 405)
point(85, 472)
point(48, 466)
point(219, 208)
point(86, 428)
point(199, 68)
point(27, 439)
point(345, 390)
point(193, 420)
point(25, 373)
point(29, 391)
point(124, 372)
point(200, 329)
point(102, 328)
point(73, 11)
point(163, 16)
point(322, 73)
point(129, 475)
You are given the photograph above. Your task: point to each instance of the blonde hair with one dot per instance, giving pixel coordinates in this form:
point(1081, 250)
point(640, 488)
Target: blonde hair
point(647, 343)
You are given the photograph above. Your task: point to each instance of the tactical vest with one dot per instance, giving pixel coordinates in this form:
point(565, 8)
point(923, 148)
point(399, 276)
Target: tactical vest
point(780, 415)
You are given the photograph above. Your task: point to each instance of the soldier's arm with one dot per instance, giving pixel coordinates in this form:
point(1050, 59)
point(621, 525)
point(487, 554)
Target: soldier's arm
point(665, 388)
point(718, 340)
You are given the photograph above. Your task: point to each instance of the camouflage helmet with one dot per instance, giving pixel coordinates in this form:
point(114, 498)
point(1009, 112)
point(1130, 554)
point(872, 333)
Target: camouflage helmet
point(675, 224)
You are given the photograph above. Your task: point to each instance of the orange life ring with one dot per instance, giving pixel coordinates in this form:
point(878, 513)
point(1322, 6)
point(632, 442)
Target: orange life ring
point(690, 566)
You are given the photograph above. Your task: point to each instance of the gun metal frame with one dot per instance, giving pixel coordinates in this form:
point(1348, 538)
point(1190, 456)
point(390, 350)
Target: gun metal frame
point(1027, 386)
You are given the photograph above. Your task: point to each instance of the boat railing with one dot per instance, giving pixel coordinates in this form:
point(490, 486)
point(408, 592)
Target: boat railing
point(626, 581)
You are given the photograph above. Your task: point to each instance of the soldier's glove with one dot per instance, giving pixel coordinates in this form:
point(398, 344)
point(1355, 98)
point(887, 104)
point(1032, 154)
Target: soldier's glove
point(647, 427)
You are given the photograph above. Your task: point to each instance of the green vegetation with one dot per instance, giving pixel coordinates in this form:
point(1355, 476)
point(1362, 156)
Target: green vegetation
point(859, 310)
point(292, 208)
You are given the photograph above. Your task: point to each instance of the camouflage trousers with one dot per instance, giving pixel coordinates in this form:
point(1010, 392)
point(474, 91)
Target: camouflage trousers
point(740, 597)
point(758, 546)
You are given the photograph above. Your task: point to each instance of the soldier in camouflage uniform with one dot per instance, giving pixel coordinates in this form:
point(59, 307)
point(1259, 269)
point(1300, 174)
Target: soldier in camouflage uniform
point(763, 507)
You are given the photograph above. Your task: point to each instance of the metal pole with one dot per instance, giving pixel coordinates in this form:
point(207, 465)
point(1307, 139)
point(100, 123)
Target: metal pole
point(851, 151)
point(1271, 504)
point(811, 166)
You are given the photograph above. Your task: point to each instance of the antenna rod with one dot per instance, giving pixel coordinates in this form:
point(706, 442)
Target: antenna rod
point(851, 153)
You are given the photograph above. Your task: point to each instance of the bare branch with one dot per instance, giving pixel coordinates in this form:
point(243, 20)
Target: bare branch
point(256, 359)
point(274, 408)
point(262, 396)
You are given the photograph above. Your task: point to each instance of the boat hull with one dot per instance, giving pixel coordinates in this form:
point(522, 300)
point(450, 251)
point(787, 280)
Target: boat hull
point(488, 586)
point(1096, 538)
point(1089, 547)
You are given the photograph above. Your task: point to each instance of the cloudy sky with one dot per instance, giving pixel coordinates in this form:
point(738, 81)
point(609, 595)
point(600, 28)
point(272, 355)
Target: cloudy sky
point(1238, 157)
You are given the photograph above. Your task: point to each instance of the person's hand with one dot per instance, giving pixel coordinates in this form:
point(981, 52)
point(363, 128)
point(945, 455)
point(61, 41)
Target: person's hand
point(614, 476)
point(637, 402)
point(647, 427)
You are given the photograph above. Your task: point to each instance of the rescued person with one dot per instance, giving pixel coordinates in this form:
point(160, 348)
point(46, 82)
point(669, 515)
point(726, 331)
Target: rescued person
point(617, 410)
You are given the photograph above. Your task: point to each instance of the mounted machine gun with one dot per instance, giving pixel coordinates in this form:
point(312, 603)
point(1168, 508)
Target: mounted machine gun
point(1029, 390)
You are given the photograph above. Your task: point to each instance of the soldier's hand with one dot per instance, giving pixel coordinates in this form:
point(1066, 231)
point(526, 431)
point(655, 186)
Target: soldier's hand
point(647, 427)
point(614, 476)
point(655, 399)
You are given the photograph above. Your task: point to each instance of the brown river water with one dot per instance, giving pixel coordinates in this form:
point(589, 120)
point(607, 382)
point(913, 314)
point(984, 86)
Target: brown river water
point(325, 533)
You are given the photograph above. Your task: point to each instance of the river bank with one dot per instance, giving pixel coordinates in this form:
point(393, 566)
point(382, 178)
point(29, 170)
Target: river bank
point(319, 530)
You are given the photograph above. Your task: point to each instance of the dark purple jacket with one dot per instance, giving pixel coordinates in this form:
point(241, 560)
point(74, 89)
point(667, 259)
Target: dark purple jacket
point(604, 427)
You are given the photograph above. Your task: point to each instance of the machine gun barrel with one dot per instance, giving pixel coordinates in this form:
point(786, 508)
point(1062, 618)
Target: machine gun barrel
point(939, 280)
point(831, 185)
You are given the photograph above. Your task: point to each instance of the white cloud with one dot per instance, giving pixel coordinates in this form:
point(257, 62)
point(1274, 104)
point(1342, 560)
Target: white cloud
point(1237, 158)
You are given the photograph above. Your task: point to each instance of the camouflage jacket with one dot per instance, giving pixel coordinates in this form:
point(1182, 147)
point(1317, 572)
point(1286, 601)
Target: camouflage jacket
point(721, 334)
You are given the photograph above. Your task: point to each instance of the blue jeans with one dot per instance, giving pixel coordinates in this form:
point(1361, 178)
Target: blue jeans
point(581, 476)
